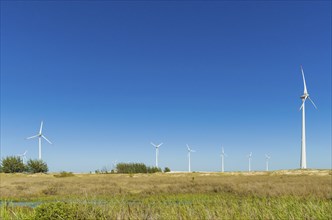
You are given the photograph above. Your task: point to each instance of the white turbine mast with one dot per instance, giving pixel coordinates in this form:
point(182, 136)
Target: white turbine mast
point(23, 156)
point(304, 97)
point(114, 165)
point(249, 157)
point(189, 151)
point(40, 136)
point(267, 158)
point(157, 151)
point(222, 155)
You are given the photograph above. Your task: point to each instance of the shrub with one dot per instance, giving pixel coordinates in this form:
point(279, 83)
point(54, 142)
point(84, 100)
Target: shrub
point(135, 168)
point(56, 210)
point(166, 170)
point(64, 174)
point(37, 166)
point(12, 164)
point(153, 169)
point(131, 168)
point(104, 170)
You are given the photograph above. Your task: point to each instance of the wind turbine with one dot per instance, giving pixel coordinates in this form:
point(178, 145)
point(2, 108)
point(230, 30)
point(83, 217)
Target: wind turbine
point(267, 157)
point(114, 165)
point(157, 151)
point(23, 156)
point(249, 157)
point(222, 155)
point(40, 136)
point(304, 97)
point(189, 151)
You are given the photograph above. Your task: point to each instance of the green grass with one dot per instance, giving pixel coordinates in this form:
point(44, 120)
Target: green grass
point(181, 206)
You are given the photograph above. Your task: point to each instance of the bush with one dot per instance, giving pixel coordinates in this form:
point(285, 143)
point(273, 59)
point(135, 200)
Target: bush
point(37, 166)
point(67, 210)
point(153, 169)
point(166, 170)
point(57, 210)
point(135, 168)
point(64, 174)
point(12, 164)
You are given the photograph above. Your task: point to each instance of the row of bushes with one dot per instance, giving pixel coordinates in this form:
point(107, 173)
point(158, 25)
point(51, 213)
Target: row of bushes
point(137, 168)
point(12, 164)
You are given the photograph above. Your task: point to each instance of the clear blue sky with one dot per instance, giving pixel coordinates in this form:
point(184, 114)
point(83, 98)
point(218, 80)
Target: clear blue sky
point(109, 77)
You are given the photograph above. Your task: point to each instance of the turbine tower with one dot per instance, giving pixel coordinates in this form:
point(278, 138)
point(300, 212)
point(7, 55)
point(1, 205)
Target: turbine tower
point(304, 97)
point(40, 136)
point(157, 151)
point(114, 165)
point(23, 156)
point(249, 157)
point(267, 157)
point(189, 151)
point(222, 155)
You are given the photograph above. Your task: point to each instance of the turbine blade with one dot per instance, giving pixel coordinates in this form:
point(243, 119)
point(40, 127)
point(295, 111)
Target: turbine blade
point(312, 102)
point(188, 147)
point(160, 145)
point(303, 103)
point(41, 127)
point(304, 84)
point(46, 139)
point(153, 144)
point(32, 136)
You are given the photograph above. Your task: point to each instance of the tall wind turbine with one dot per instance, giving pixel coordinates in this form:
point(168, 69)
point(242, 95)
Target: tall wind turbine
point(157, 151)
point(267, 158)
point(23, 156)
point(222, 155)
point(40, 136)
point(304, 97)
point(249, 157)
point(189, 151)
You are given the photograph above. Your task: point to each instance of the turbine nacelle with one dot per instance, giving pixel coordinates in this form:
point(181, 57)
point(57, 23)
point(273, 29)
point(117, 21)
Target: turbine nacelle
point(304, 96)
point(189, 149)
point(156, 146)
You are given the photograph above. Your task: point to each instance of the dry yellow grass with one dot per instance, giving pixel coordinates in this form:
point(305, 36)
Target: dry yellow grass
point(312, 183)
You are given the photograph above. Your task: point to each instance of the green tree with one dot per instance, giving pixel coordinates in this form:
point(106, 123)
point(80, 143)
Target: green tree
point(166, 170)
point(37, 166)
point(12, 164)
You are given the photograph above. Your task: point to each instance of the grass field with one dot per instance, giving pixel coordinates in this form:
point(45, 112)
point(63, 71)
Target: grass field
point(258, 195)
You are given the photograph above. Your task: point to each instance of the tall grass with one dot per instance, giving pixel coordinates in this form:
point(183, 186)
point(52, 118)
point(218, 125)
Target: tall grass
point(182, 206)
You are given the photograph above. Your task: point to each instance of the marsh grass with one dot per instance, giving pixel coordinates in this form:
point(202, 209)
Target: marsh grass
point(170, 196)
point(182, 206)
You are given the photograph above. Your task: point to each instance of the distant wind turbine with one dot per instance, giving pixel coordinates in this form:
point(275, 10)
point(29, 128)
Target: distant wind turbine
point(189, 151)
point(157, 151)
point(304, 97)
point(222, 155)
point(249, 157)
point(114, 165)
point(40, 136)
point(267, 158)
point(23, 156)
